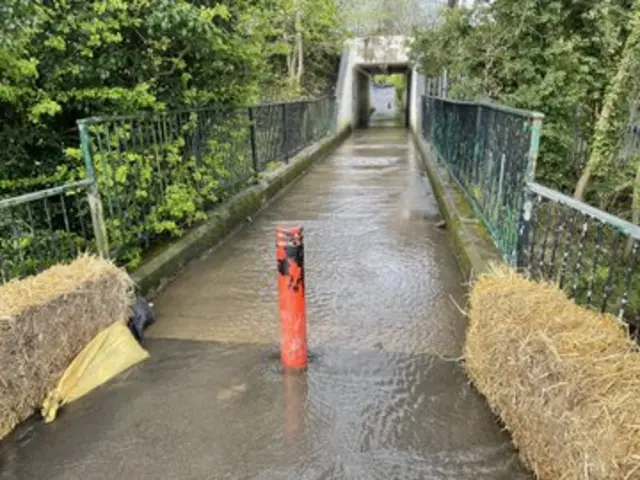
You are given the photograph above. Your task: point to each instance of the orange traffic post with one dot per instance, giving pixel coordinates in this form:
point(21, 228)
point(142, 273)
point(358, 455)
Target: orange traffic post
point(293, 309)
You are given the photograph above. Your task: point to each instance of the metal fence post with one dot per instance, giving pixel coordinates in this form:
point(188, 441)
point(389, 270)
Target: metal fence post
point(477, 150)
point(445, 84)
point(93, 195)
point(333, 114)
point(534, 146)
point(432, 111)
point(284, 132)
point(425, 122)
point(527, 198)
point(252, 131)
point(524, 231)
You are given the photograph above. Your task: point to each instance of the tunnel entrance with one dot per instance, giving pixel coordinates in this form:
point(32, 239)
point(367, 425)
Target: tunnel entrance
point(382, 94)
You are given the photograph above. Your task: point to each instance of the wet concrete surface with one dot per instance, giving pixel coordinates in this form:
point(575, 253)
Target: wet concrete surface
point(383, 397)
point(385, 120)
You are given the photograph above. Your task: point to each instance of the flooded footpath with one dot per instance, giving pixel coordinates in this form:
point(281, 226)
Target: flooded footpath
point(384, 396)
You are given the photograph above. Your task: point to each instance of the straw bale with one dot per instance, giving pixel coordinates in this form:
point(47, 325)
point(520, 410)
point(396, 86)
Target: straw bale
point(565, 380)
point(45, 320)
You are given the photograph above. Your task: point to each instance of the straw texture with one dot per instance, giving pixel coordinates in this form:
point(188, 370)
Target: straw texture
point(45, 321)
point(564, 380)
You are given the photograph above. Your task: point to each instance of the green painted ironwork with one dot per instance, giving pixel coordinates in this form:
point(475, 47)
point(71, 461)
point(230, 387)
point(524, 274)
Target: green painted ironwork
point(159, 173)
point(40, 229)
point(150, 177)
point(490, 152)
point(590, 254)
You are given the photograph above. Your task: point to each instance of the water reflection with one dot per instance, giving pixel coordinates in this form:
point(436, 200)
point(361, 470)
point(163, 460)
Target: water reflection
point(294, 395)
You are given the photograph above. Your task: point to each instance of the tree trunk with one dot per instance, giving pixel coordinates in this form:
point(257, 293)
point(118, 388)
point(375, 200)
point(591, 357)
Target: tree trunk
point(291, 67)
point(299, 46)
point(295, 58)
point(614, 115)
point(583, 181)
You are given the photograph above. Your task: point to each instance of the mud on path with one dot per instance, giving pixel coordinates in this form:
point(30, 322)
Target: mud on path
point(382, 399)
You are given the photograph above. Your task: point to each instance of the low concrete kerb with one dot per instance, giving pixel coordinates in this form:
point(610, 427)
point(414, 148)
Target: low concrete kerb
point(228, 217)
point(472, 243)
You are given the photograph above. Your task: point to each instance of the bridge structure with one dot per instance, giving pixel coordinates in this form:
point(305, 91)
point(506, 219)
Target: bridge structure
point(383, 395)
point(488, 152)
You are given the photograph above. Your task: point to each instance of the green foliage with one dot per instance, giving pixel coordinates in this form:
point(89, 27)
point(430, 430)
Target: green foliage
point(302, 44)
point(62, 60)
point(31, 252)
point(614, 117)
point(43, 232)
point(381, 17)
point(159, 175)
point(551, 56)
point(271, 166)
point(398, 81)
point(597, 282)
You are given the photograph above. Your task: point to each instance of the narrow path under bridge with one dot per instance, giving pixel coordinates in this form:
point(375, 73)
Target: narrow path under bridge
point(383, 397)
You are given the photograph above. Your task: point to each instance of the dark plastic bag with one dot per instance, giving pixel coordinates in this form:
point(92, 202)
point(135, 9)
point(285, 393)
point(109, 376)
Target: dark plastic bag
point(141, 317)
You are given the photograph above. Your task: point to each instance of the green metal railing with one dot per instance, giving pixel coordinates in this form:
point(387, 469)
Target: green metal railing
point(150, 177)
point(590, 254)
point(159, 174)
point(490, 152)
point(40, 229)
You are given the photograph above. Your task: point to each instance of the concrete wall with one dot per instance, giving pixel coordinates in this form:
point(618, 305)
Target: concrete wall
point(345, 92)
point(416, 91)
point(362, 100)
point(381, 50)
point(353, 96)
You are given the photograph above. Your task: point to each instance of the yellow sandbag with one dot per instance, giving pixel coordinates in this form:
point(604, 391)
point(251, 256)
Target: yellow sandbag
point(110, 353)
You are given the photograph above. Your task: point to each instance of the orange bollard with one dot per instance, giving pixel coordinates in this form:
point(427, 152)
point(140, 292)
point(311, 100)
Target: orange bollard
point(293, 312)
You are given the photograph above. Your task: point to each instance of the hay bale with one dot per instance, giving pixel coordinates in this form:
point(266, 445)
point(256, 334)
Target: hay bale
point(564, 380)
point(45, 321)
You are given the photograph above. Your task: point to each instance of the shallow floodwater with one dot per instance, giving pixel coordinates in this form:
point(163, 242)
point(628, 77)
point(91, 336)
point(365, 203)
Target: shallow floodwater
point(383, 398)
